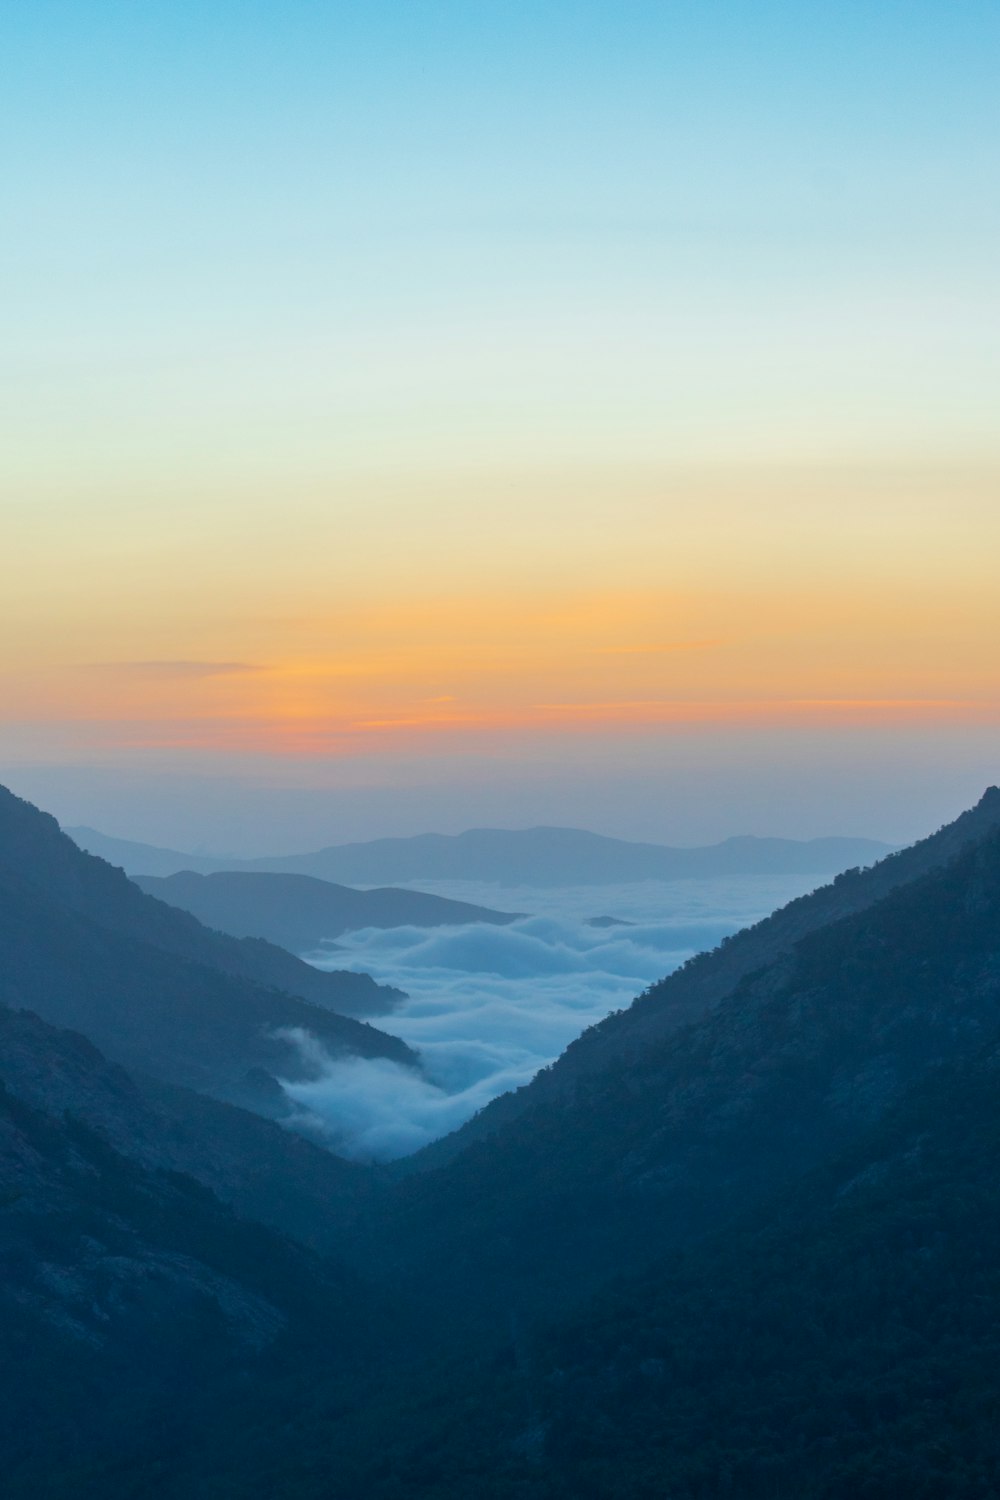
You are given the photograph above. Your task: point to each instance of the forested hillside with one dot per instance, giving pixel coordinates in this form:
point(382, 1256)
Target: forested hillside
point(752, 1257)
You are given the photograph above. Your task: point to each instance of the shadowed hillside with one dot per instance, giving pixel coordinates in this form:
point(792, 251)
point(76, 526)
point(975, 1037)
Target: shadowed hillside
point(694, 989)
point(35, 853)
point(749, 1255)
point(86, 949)
point(262, 1170)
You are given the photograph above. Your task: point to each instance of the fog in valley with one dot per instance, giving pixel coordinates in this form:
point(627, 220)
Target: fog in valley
point(488, 1006)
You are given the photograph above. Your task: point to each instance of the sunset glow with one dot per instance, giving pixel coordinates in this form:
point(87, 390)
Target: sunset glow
point(377, 404)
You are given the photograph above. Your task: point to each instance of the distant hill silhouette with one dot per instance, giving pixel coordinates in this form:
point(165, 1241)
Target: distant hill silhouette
point(529, 856)
point(299, 911)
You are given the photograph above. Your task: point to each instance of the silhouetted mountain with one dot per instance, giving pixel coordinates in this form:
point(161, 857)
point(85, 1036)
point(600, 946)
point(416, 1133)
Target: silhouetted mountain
point(529, 856)
point(785, 1210)
point(837, 1341)
point(128, 1297)
point(740, 1252)
point(653, 1145)
point(693, 990)
point(85, 948)
point(51, 860)
point(264, 1171)
point(299, 911)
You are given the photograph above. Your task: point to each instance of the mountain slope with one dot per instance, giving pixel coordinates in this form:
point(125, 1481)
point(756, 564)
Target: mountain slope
point(299, 911)
point(81, 946)
point(130, 1300)
point(756, 1260)
point(841, 1341)
point(34, 852)
point(694, 990)
point(654, 1149)
point(529, 856)
point(262, 1170)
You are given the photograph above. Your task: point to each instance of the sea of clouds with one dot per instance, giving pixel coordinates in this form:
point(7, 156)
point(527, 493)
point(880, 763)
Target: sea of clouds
point(488, 1006)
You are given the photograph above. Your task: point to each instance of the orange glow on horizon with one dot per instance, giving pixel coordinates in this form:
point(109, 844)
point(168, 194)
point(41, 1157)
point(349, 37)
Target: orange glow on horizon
point(425, 673)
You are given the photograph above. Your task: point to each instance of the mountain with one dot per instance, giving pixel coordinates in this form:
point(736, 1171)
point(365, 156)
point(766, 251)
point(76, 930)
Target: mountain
point(838, 1341)
point(744, 1249)
point(299, 911)
point(51, 860)
point(260, 1169)
point(692, 991)
point(131, 1298)
point(755, 1258)
point(659, 1144)
point(530, 856)
point(85, 948)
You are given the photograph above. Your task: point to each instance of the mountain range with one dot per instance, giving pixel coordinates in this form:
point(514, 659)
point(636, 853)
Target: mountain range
point(529, 856)
point(85, 948)
point(300, 912)
point(737, 1242)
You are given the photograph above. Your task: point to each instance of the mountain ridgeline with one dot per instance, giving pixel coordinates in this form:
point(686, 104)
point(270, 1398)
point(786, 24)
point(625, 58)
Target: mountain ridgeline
point(739, 1241)
point(529, 856)
point(300, 912)
point(85, 948)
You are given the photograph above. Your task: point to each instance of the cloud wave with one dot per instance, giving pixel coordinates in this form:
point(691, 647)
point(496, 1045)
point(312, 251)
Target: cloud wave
point(488, 1006)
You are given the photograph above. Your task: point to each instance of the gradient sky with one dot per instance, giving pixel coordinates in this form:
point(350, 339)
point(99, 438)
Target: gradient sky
point(448, 412)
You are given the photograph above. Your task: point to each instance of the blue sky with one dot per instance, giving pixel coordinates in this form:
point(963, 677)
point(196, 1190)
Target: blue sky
point(324, 322)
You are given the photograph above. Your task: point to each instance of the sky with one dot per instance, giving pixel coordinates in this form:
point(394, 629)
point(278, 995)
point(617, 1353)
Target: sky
point(425, 414)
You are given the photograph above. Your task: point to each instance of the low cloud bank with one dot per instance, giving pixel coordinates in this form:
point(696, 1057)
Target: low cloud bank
point(489, 1006)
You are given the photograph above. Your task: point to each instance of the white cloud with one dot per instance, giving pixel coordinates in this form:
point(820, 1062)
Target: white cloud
point(489, 1006)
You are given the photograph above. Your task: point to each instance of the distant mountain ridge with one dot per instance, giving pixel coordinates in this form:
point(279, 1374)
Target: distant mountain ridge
point(691, 992)
point(529, 856)
point(300, 912)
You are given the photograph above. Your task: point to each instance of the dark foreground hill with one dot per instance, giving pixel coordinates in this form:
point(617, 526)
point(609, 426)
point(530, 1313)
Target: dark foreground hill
point(692, 991)
point(758, 1261)
point(752, 1255)
point(654, 1148)
point(526, 856)
point(299, 911)
point(841, 1341)
point(260, 1169)
point(130, 1298)
point(156, 991)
